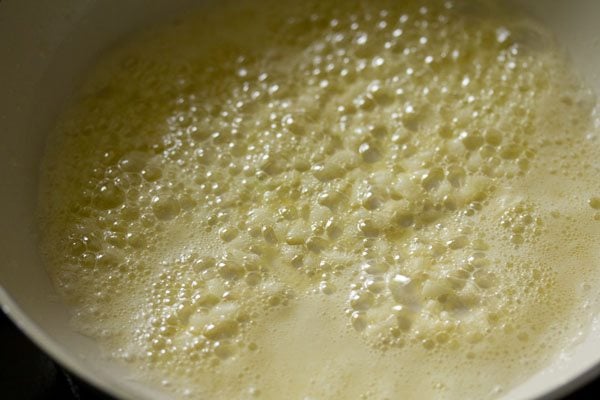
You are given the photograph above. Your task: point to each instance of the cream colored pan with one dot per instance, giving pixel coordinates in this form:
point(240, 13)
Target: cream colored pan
point(44, 47)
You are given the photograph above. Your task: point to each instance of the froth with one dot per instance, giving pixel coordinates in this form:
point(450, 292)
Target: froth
point(381, 183)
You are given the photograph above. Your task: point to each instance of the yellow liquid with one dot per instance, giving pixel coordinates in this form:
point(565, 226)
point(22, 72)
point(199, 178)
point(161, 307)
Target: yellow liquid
point(372, 200)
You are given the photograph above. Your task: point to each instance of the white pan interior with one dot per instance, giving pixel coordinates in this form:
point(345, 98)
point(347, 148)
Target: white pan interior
point(44, 49)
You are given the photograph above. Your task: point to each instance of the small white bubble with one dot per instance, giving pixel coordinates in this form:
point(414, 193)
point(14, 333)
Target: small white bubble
point(273, 89)
point(378, 61)
point(362, 39)
point(502, 34)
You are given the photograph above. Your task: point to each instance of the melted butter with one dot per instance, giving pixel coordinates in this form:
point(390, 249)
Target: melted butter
point(372, 200)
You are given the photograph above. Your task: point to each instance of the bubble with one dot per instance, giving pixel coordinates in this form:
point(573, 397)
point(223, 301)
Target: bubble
point(109, 196)
point(228, 270)
point(484, 279)
point(457, 243)
point(368, 227)
point(316, 244)
point(329, 198)
point(361, 301)
point(358, 320)
point(502, 34)
point(374, 268)
point(327, 171)
point(221, 330)
point(165, 208)
point(471, 141)
point(133, 162)
point(269, 235)
point(326, 287)
point(297, 234)
point(227, 233)
point(362, 38)
point(432, 178)
point(510, 151)
point(400, 287)
point(369, 153)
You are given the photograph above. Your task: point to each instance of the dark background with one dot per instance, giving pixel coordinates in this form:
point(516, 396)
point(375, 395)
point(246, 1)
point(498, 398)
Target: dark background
point(26, 373)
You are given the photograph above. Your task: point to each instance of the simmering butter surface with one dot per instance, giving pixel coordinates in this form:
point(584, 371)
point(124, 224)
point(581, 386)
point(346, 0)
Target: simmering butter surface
point(329, 200)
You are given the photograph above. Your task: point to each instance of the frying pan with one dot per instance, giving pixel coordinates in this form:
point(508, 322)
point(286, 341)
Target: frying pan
point(45, 46)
